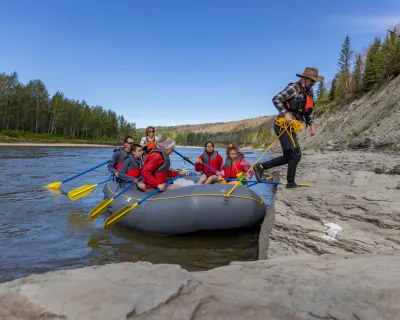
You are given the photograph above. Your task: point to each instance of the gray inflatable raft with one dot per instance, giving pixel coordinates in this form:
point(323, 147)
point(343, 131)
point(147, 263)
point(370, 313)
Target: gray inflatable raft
point(189, 209)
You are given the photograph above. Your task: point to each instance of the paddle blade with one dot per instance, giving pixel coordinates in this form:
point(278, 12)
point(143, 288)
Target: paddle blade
point(301, 184)
point(118, 215)
point(100, 208)
point(53, 185)
point(81, 192)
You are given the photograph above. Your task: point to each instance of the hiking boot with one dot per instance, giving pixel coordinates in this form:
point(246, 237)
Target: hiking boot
point(291, 185)
point(258, 172)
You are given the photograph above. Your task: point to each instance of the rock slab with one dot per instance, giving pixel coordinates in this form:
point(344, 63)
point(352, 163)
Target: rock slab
point(341, 287)
point(351, 208)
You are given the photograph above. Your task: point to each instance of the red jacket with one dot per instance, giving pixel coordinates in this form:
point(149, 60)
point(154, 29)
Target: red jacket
point(216, 163)
point(152, 163)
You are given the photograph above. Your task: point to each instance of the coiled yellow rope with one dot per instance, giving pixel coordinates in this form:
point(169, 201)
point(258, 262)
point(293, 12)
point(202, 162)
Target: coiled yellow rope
point(293, 126)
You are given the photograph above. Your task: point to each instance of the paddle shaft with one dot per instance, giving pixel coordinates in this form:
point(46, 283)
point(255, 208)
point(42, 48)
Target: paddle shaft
point(187, 159)
point(123, 190)
point(86, 171)
point(99, 184)
point(158, 189)
point(184, 158)
point(252, 184)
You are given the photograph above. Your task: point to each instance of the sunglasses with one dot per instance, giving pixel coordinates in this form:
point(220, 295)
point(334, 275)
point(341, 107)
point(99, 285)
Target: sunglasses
point(131, 143)
point(151, 130)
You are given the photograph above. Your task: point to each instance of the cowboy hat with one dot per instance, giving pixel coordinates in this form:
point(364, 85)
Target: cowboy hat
point(311, 73)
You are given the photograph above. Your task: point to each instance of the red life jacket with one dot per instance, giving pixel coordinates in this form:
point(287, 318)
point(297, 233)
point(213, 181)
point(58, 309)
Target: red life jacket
point(231, 169)
point(161, 174)
point(301, 103)
point(211, 161)
point(134, 168)
point(121, 158)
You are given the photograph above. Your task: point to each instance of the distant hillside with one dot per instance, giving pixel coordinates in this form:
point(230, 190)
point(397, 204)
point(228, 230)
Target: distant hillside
point(254, 132)
point(221, 126)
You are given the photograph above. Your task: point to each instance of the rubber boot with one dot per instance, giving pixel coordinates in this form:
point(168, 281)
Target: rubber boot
point(294, 159)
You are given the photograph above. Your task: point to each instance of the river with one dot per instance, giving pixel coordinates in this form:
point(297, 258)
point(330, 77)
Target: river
point(42, 231)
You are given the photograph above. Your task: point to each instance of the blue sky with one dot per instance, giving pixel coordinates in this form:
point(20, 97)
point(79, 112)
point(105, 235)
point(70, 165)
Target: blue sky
point(178, 62)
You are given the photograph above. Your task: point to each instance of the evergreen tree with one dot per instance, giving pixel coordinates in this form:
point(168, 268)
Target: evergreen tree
point(342, 91)
point(370, 77)
point(346, 56)
point(356, 77)
point(386, 62)
point(321, 90)
point(333, 88)
point(30, 108)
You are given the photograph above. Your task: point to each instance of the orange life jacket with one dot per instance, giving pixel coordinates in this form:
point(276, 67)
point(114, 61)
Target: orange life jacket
point(301, 103)
point(151, 144)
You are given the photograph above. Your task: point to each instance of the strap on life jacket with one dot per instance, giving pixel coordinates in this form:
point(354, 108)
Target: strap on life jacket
point(167, 163)
point(232, 168)
point(150, 145)
point(134, 168)
point(123, 155)
point(211, 161)
point(309, 100)
point(161, 174)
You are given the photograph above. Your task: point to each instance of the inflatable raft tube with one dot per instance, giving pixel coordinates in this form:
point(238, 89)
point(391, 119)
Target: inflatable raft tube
point(189, 209)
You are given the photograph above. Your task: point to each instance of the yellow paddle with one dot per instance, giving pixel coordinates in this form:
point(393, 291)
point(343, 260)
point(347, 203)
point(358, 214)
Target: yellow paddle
point(301, 184)
point(57, 184)
point(84, 190)
point(102, 206)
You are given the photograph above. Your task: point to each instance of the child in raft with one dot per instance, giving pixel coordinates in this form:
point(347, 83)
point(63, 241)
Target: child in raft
point(212, 159)
point(234, 165)
point(131, 168)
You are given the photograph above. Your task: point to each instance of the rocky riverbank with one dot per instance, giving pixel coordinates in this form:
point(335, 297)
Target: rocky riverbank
point(353, 207)
point(337, 287)
point(333, 254)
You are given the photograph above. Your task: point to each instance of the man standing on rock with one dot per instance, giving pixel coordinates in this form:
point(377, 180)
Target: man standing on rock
point(295, 102)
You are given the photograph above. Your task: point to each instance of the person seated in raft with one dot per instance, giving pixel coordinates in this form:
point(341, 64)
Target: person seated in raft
point(131, 168)
point(119, 156)
point(156, 169)
point(235, 164)
point(149, 141)
point(211, 158)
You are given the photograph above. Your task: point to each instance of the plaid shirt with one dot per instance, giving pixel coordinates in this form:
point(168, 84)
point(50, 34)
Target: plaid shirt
point(291, 91)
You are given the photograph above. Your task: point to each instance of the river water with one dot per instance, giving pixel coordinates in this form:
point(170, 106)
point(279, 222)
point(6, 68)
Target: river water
point(41, 231)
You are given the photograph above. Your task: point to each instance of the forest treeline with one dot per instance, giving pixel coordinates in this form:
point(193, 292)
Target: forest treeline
point(28, 110)
point(359, 73)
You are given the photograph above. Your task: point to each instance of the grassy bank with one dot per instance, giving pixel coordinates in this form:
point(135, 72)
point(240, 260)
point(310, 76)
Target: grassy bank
point(13, 136)
point(28, 138)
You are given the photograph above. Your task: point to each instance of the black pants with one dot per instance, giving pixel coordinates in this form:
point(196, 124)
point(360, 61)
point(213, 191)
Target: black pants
point(291, 154)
